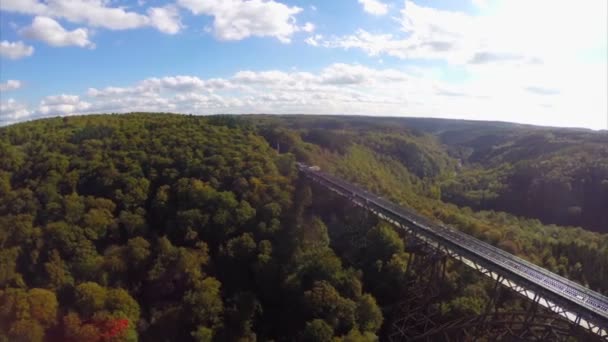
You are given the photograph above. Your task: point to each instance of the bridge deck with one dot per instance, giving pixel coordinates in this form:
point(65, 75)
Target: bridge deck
point(575, 302)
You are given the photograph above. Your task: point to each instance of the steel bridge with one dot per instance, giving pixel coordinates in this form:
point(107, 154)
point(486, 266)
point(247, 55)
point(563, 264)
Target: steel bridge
point(574, 302)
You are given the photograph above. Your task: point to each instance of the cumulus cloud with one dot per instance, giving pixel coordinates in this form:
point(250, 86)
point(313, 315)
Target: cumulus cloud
point(490, 37)
point(97, 13)
point(62, 105)
point(337, 87)
point(391, 45)
point(262, 77)
point(356, 89)
point(341, 74)
point(12, 111)
point(309, 27)
point(178, 83)
point(15, 50)
point(373, 44)
point(240, 19)
point(166, 19)
point(374, 7)
point(314, 40)
point(23, 6)
point(427, 33)
point(151, 87)
point(51, 32)
point(10, 85)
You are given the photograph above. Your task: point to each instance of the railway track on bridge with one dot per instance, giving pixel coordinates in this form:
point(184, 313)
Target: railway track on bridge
point(580, 305)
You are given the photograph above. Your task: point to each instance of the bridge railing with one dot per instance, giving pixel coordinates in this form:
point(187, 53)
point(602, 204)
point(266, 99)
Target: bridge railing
point(587, 304)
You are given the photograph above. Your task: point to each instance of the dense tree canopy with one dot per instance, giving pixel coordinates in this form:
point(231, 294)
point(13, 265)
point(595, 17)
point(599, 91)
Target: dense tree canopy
point(163, 227)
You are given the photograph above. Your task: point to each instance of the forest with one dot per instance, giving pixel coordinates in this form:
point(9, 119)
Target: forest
point(163, 227)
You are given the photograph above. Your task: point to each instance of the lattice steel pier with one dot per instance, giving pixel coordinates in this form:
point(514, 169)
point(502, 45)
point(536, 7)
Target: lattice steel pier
point(574, 302)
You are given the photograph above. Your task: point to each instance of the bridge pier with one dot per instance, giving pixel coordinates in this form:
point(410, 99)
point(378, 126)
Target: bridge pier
point(564, 299)
point(419, 311)
point(418, 315)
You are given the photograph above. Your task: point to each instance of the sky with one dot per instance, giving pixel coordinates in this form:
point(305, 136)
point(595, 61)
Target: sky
point(540, 62)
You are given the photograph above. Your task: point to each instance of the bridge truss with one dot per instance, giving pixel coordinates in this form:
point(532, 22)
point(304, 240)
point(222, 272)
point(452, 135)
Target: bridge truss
point(573, 302)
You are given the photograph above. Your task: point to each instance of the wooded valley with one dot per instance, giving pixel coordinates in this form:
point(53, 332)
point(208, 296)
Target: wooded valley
point(165, 227)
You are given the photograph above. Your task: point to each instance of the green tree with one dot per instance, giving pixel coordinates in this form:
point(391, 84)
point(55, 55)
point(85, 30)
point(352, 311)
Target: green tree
point(57, 271)
point(25, 314)
point(383, 243)
point(369, 315)
point(90, 298)
point(205, 303)
point(317, 331)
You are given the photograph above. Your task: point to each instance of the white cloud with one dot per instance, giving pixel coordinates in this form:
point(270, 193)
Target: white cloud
point(12, 111)
point(23, 6)
point(152, 86)
point(341, 74)
point(166, 19)
point(97, 13)
point(308, 27)
point(51, 32)
point(483, 4)
point(15, 50)
point(62, 105)
point(262, 77)
point(314, 40)
point(572, 97)
point(338, 86)
point(372, 44)
point(521, 62)
point(374, 7)
point(513, 32)
point(10, 85)
point(428, 33)
point(240, 19)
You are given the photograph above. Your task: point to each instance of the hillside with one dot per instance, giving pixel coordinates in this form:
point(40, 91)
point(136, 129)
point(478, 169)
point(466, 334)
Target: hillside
point(399, 170)
point(168, 227)
point(557, 175)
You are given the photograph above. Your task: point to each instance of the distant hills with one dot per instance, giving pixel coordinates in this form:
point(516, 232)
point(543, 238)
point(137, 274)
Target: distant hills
point(557, 175)
point(199, 228)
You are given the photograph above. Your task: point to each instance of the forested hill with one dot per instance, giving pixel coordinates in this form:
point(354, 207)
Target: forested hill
point(557, 175)
point(185, 228)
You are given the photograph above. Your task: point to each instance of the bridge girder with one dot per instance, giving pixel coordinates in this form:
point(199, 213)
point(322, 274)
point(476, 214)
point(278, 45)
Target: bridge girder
point(519, 285)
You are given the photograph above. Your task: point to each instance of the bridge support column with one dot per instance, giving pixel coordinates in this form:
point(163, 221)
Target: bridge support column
point(495, 296)
point(426, 267)
point(523, 278)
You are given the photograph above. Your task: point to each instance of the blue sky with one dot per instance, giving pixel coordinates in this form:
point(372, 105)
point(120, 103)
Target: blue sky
point(541, 62)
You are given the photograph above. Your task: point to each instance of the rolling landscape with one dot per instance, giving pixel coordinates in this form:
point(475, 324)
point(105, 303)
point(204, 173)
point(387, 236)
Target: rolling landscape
point(303, 171)
point(173, 227)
